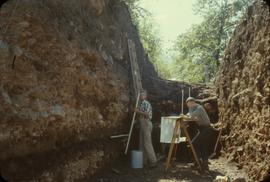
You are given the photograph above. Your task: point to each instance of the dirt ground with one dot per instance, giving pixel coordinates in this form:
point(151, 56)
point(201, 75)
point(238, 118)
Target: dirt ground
point(179, 172)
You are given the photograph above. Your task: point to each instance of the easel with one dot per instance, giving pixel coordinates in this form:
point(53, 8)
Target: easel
point(176, 134)
point(178, 125)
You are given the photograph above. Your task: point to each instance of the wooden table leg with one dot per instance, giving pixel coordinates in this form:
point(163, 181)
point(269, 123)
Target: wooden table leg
point(175, 151)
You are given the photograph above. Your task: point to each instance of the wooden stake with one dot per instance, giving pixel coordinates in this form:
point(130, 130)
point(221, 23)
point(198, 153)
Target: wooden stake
point(216, 144)
point(182, 112)
point(118, 136)
point(132, 123)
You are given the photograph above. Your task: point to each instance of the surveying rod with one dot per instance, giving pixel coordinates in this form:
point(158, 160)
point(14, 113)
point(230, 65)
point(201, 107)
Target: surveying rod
point(182, 101)
point(132, 123)
point(189, 91)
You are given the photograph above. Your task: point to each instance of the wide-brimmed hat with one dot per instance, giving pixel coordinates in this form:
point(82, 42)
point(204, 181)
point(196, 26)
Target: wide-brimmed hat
point(190, 99)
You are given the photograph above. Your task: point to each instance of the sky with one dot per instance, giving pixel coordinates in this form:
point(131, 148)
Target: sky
point(172, 17)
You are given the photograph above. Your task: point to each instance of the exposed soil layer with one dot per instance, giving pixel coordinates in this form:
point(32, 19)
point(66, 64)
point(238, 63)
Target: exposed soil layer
point(244, 93)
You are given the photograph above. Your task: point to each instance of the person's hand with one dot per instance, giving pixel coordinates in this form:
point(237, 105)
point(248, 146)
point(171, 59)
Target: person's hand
point(136, 110)
point(196, 118)
point(183, 116)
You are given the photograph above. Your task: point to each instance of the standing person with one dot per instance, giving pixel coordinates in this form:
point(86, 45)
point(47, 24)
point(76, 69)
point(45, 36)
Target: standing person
point(200, 141)
point(145, 116)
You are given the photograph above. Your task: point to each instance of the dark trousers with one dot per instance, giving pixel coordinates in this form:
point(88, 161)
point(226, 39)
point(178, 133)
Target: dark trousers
point(201, 142)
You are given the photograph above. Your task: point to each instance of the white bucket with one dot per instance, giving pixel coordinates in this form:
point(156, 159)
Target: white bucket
point(136, 159)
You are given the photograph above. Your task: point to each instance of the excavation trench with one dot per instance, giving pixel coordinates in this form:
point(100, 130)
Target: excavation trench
point(70, 88)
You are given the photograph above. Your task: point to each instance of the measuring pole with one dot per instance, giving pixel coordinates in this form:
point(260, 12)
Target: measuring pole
point(182, 101)
point(189, 91)
point(132, 123)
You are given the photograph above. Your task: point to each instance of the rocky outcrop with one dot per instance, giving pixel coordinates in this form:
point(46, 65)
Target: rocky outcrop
point(62, 92)
point(244, 93)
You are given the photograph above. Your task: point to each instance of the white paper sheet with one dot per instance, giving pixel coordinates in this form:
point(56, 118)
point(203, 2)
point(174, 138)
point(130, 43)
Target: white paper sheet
point(167, 128)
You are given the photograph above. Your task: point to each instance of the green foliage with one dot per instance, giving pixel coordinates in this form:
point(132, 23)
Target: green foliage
point(187, 71)
point(149, 36)
point(163, 69)
point(204, 44)
point(136, 10)
point(150, 39)
point(152, 44)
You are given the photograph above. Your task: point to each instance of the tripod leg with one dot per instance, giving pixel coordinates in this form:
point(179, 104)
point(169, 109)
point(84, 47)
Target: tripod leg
point(174, 151)
point(177, 144)
point(169, 156)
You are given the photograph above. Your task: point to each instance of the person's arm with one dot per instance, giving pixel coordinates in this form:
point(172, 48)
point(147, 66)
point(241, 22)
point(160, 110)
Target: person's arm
point(145, 109)
point(187, 118)
point(191, 116)
point(195, 118)
point(142, 113)
point(195, 114)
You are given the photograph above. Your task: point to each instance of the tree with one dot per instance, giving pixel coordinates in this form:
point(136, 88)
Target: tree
point(149, 36)
point(204, 44)
point(223, 16)
point(136, 10)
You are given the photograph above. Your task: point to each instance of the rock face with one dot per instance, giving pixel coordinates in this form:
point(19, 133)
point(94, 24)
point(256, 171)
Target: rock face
point(61, 94)
point(244, 93)
point(65, 87)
